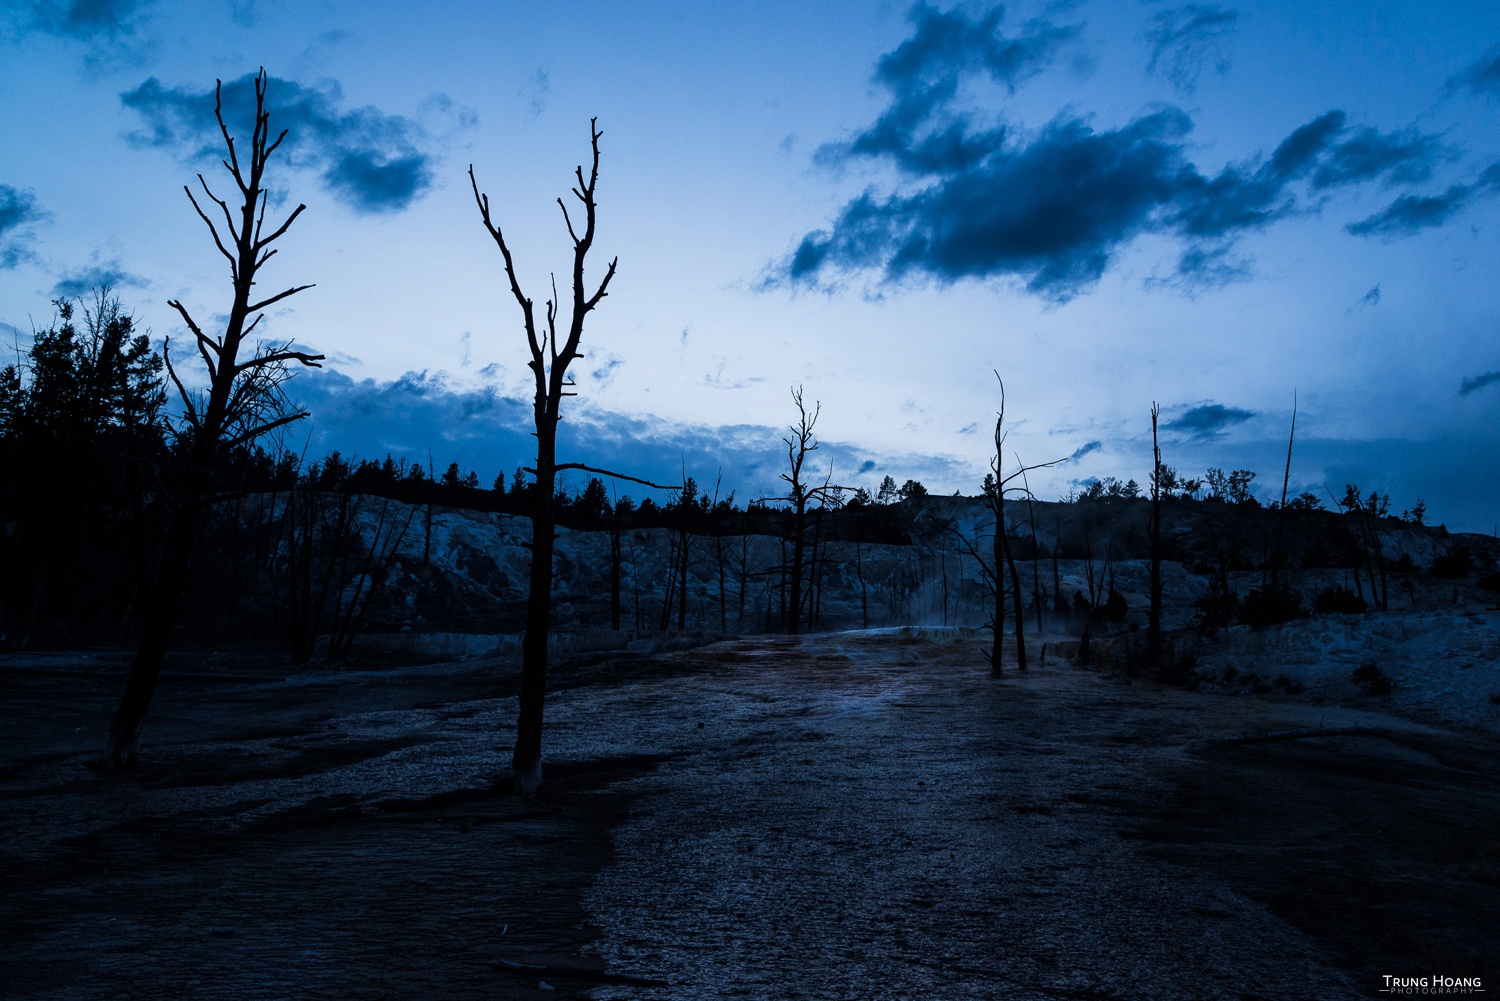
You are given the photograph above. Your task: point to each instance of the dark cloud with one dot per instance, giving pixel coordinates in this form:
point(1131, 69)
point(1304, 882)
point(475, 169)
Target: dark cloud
point(1208, 420)
point(84, 20)
point(97, 275)
point(1186, 39)
point(1088, 448)
point(18, 212)
point(370, 160)
point(1051, 208)
point(1413, 213)
point(1370, 298)
point(482, 430)
point(1481, 77)
point(1474, 383)
point(923, 74)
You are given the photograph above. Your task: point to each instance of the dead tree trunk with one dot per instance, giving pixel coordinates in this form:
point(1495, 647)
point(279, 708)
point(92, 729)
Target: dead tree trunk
point(614, 572)
point(552, 351)
point(1153, 628)
point(242, 403)
point(1286, 480)
point(1015, 587)
point(995, 487)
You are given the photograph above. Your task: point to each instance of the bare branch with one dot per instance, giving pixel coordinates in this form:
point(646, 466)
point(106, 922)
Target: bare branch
point(259, 361)
point(187, 400)
point(223, 207)
point(204, 341)
point(1026, 469)
point(276, 298)
point(567, 221)
point(233, 262)
point(600, 293)
point(254, 433)
point(605, 472)
point(259, 244)
point(234, 161)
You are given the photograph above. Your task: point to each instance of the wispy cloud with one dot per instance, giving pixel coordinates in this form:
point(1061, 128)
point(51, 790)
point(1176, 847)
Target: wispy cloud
point(19, 212)
point(1074, 195)
point(1480, 78)
point(1370, 298)
point(372, 161)
point(1184, 40)
point(1474, 383)
point(1413, 213)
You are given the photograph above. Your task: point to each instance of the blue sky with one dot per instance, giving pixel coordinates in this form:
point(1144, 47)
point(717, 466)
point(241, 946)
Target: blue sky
point(1209, 205)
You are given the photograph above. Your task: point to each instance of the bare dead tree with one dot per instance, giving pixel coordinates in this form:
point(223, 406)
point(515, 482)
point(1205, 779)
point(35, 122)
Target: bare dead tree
point(801, 443)
point(1153, 629)
point(1036, 577)
point(244, 400)
point(614, 564)
point(995, 497)
point(552, 351)
point(1286, 480)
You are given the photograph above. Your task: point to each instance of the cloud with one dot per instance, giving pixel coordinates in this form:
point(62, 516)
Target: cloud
point(1186, 39)
point(1051, 208)
point(485, 431)
point(83, 20)
point(81, 281)
point(537, 87)
point(1088, 448)
point(1208, 420)
point(18, 213)
point(923, 75)
point(110, 32)
point(1370, 298)
point(371, 161)
point(243, 13)
point(604, 372)
point(1474, 383)
point(1480, 78)
point(1413, 213)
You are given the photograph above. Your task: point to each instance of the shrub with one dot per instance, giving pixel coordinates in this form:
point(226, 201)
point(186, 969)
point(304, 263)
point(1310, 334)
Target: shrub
point(1455, 563)
point(1266, 607)
point(1338, 601)
point(1215, 609)
point(1288, 684)
point(1372, 679)
point(1114, 608)
point(1490, 581)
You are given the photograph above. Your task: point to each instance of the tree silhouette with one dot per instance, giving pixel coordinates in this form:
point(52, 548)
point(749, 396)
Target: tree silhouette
point(244, 400)
point(800, 496)
point(552, 351)
point(79, 425)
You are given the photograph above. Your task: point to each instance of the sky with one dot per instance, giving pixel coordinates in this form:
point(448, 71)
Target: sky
point(1219, 208)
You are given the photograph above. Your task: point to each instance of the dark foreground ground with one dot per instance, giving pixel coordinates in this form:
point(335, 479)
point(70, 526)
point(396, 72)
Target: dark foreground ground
point(840, 817)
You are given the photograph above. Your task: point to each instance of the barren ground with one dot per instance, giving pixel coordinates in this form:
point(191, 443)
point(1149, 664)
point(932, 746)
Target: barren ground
point(855, 816)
